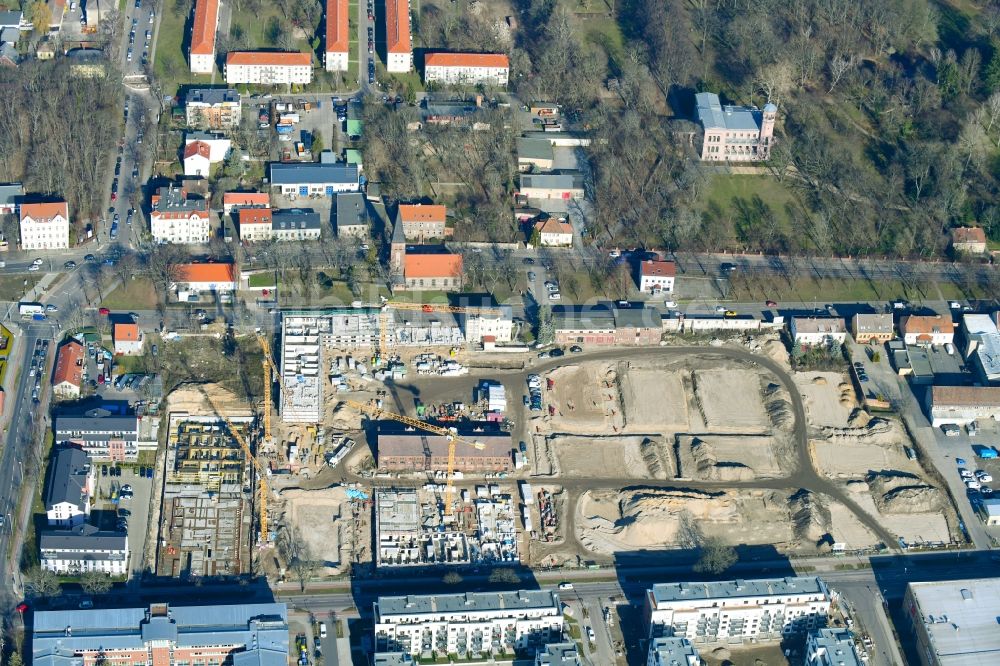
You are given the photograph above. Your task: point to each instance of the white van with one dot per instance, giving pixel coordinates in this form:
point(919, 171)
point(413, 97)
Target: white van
point(322, 629)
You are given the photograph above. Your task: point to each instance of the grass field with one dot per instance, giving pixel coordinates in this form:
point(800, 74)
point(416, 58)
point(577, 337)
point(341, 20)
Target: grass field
point(725, 191)
point(12, 286)
point(255, 27)
point(804, 290)
point(171, 64)
point(137, 294)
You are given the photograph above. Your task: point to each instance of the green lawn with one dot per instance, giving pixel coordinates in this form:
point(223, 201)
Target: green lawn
point(12, 286)
point(255, 24)
point(171, 64)
point(606, 33)
point(761, 288)
point(730, 199)
point(137, 294)
point(262, 280)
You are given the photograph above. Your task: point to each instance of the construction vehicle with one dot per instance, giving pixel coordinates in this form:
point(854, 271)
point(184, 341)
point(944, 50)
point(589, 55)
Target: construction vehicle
point(383, 319)
point(374, 411)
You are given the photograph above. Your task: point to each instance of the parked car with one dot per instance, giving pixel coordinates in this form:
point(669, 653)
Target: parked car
point(972, 484)
point(576, 349)
point(951, 430)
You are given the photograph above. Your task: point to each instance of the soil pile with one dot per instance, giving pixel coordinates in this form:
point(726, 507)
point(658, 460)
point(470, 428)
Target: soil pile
point(811, 520)
point(904, 493)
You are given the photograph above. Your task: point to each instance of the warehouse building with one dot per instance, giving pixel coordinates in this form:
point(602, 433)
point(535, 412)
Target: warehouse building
point(961, 405)
point(402, 449)
point(955, 622)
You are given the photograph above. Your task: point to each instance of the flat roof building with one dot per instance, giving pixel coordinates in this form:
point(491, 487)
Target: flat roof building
point(832, 647)
point(558, 654)
point(672, 651)
point(955, 622)
point(810, 331)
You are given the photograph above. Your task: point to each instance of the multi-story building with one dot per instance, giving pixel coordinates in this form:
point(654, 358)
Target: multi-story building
point(67, 379)
point(657, 277)
point(735, 133)
point(398, 449)
point(254, 224)
point(872, 327)
point(927, 330)
point(672, 651)
point(471, 624)
point(338, 40)
point(486, 319)
point(203, 30)
point(812, 331)
point(491, 69)
point(608, 324)
point(69, 487)
point(422, 222)
point(268, 67)
point(127, 337)
point(84, 548)
point(236, 200)
point(100, 435)
point(398, 44)
point(737, 610)
point(45, 226)
point(832, 647)
point(955, 621)
point(554, 232)
point(237, 634)
point(558, 654)
point(295, 224)
point(303, 179)
point(213, 108)
point(352, 215)
point(176, 217)
point(961, 405)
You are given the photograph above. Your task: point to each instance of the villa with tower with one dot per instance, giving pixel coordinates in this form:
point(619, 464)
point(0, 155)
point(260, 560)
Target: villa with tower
point(735, 133)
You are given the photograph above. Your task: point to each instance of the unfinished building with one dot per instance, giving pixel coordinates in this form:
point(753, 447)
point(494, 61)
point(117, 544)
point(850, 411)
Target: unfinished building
point(402, 449)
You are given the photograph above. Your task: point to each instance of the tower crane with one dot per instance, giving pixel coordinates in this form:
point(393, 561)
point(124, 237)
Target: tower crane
point(449, 434)
point(270, 370)
point(383, 319)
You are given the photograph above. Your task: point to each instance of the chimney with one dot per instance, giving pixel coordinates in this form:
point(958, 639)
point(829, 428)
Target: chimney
point(479, 101)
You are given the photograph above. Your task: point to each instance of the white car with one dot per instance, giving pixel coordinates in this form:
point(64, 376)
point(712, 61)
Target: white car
point(33, 268)
point(37, 262)
point(720, 308)
point(565, 586)
point(670, 304)
point(951, 430)
point(972, 485)
point(590, 635)
point(984, 477)
point(964, 473)
point(955, 305)
point(555, 296)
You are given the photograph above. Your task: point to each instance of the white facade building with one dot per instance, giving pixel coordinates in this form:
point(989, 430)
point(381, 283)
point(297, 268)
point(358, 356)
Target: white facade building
point(338, 41)
point(399, 45)
point(832, 647)
point(672, 651)
point(175, 218)
point(811, 331)
point(268, 68)
point(203, 32)
point(82, 549)
point(961, 405)
point(737, 610)
point(45, 226)
point(492, 69)
point(927, 330)
point(68, 488)
point(657, 277)
point(470, 624)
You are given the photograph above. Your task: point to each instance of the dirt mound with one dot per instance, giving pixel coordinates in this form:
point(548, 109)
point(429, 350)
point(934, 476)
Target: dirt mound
point(778, 406)
point(728, 457)
point(811, 520)
point(879, 431)
point(859, 418)
point(896, 492)
point(345, 418)
point(709, 467)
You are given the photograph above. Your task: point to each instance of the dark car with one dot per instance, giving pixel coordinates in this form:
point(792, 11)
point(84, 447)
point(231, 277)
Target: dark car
point(70, 264)
point(104, 470)
point(556, 353)
point(528, 261)
point(89, 257)
point(727, 267)
point(576, 349)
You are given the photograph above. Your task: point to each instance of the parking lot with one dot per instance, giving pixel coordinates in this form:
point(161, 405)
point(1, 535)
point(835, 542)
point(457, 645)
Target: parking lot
point(111, 507)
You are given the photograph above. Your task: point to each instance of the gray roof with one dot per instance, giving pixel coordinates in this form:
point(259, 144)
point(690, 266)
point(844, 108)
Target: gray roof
point(960, 619)
point(67, 478)
point(558, 654)
point(198, 135)
point(674, 651)
point(873, 322)
point(352, 210)
point(10, 19)
point(262, 625)
point(10, 35)
point(9, 193)
point(838, 645)
point(762, 587)
point(303, 173)
point(713, 115)
point(438, 604)
point(295, 218)
point(538, 149)
point(175, 199)
point(82, 537)
point(560, 181)
point(585, 319)
point(638, 317)
point(212, 95)
point(392, 659)
point(94, 425)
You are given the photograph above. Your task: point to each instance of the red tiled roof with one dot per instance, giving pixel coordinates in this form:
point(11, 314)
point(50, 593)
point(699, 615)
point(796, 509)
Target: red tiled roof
point(126, 332)
point(420, 213)
point(197, 148)
point(397, 26)
point(337, 38)
point(926, 324)
point(248, 216)
point(246, 199)
point(968, 235)
point(966, 396)
point(659, 268)
point(432, 266)
point(68, 364)
point(275, 58)
point(217, 273)
point(206, 19)
point(44, 211)
point(491, 60)
point(553, 226)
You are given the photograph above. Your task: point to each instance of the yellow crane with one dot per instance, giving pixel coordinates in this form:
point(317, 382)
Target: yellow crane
point(452, 437)
point(270, 370)
point(383, 318)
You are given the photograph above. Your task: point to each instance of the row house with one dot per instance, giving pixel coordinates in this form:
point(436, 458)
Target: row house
point(268, 68)
point(176, 217)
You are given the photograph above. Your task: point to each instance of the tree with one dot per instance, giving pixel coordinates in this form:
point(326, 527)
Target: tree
point(504, 575)
point(40, 16)
point(546, 333)
point(317, 145)
point(42, 583)
point(95, 582)
point(452, 578)
point(716, 556)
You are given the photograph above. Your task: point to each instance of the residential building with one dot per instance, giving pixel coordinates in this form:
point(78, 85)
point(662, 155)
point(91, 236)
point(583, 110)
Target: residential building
point(10, 195)
point(672, 651)
point(45, 226)
point(127, 338)
point(554, 232)
point(213, 108)
point(955, 621)
point(352, 215)
point(558, 654)
point(237, 634)
point(303, 179)
point(607, 324)
point(422, 222)
point(254, 224)
point(872, 327)
point(735, 133)
point(14, 19)
point(205, 278)
point(399, 47)
point(236, 200)
point(268, 67)
point(176, 217)
point(490, 69)
point(657, 277)
point(102, 435)
point(295, 224)
point(927, 329)
point(832, 647)
point(970, 240)
point(392, 659)
point(399, 448)
point(82, 549)
point(471, 624)
point(486, 318)
point(338, 40)
point(69, 487)
point(961, 405)
point(812, 331)
point(67, 379)
point(196, 159)
point(737, 610)
point(535, 154)
point(431, 267)
point(989, 511)
point(203, 31)
point(218, 144)
point(565, 185)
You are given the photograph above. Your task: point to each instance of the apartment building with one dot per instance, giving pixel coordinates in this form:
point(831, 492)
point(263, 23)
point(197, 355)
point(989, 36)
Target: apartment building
point(486, 318)
point(338, 40)
point(737, 610)
point(672, 651)
point(45, 226)
point(213, 108)
point(237, 634)
point(295, 224)
point(203, 32)
point(657, 277)
point(734, 133)
point(82, 549)
point(812, 331)
point(872, 327)
point(268, 68)
point(352, 215)
point(490, 69)
point(559, 654)
point(67, 379)
point(832, 647)
point(422, 222)
point(176, 217)
point(554, 232)
point(254, 224)
point(927, 329)
point(69, 487)
point(399, 45)
point(473, 624)
point(100, 435)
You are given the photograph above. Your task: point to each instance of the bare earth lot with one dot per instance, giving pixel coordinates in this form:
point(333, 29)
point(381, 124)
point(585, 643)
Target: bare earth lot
point(604, 457)
point(654, 398)
point(731, 400)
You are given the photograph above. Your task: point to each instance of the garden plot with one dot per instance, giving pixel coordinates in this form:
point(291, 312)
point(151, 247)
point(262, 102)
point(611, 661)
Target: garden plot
point(731, 400)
